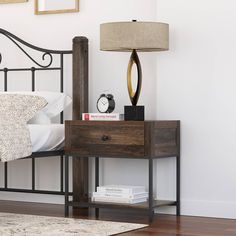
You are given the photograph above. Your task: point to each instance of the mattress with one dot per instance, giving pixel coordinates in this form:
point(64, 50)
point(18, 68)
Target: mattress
point(46, 137)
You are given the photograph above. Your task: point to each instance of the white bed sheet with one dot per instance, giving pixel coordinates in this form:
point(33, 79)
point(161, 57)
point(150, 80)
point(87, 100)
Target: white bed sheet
point(47, 137)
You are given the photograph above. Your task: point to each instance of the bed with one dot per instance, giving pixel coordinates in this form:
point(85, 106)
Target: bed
point(47, 140)
point(47, 137)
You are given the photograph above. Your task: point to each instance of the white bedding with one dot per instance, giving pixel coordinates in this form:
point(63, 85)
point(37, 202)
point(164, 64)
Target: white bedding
point(46, 137)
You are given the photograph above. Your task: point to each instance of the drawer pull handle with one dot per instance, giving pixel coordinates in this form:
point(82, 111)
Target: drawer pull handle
point(105, 138)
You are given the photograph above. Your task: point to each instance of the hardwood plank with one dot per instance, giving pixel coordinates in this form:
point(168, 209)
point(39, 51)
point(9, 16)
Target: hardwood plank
point(163, 225)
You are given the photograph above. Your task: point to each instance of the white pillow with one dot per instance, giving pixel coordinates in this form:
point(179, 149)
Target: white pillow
point(57, 102)
point(40, 118)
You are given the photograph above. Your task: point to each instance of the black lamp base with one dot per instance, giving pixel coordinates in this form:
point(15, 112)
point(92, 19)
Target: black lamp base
point(134, 113)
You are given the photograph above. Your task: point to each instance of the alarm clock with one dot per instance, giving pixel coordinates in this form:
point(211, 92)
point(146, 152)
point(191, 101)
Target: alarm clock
point(106, 103)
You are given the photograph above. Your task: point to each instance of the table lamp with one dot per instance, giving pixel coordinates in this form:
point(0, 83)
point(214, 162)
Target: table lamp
point(134, 36)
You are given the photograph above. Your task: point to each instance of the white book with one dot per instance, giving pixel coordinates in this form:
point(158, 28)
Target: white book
point(121, 189)
point(102, 116)
point(120, 195)
point(118, 200)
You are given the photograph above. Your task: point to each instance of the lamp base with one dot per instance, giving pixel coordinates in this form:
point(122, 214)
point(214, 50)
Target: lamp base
point(134, 113)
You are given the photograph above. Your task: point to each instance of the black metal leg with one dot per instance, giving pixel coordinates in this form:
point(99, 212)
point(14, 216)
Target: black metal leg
point(61, 173)
point(5, 175)
point(178, 185)
point(66, 186)
point(150, 196)
point(33, 173)
point(96, 181)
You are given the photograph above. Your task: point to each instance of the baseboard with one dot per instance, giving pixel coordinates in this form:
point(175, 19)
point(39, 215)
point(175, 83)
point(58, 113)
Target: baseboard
point(216, 209)
point(213, 209)
point(32, 197)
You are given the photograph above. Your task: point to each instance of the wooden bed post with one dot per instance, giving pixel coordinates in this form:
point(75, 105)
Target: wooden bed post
point(80, 105)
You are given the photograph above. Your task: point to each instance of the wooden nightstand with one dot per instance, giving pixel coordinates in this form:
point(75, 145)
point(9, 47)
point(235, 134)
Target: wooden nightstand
point(123, 139)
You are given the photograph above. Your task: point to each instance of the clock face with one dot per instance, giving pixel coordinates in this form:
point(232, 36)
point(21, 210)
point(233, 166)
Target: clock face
point(103, 104)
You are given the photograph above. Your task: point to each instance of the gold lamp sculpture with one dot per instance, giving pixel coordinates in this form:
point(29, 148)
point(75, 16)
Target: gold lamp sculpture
point(134, 36)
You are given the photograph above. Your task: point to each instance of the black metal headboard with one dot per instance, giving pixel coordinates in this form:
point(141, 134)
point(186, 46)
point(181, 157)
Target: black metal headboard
point(37, 66)
point(80, 84)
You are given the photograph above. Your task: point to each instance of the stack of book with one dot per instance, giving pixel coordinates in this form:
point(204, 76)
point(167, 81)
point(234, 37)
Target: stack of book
point(120, 194)
point(102, 116)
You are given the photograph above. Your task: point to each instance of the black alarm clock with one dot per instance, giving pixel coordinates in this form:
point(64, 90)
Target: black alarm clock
point(106, 103)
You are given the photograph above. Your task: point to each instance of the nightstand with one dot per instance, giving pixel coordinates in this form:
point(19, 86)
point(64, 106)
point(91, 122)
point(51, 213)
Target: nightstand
point(123, 139)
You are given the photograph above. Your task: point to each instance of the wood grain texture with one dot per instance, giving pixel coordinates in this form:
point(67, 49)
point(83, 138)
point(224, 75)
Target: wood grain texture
point(80, 105)
point(133, 139)
point(163, 225)
point(123, 138)
point(80, 77)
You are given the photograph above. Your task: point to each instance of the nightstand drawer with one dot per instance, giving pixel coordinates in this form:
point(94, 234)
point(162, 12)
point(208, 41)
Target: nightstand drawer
point(91, 138)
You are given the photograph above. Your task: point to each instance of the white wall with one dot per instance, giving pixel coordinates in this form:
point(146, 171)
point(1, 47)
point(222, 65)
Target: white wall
point(57, 5)
point(196, 84)
point(107, 72)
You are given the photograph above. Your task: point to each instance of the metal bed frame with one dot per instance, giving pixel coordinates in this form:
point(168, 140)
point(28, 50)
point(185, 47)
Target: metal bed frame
point(43, 66)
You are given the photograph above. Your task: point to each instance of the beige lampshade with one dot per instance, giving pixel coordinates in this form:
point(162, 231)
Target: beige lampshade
point(142, 36)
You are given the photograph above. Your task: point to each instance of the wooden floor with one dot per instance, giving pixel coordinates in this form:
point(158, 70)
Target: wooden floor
point(163, 225)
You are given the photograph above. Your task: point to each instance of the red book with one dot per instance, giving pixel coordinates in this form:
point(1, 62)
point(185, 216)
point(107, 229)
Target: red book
point(102, 116)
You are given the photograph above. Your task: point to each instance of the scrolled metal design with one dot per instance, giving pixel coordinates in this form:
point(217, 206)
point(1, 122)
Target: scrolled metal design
point(28, 55)
point(50, 56)
point(46, 53)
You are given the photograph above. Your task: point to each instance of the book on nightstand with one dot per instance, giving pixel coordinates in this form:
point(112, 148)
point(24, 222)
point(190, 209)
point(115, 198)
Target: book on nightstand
point(124, 189)
point(103, 116)
point(120, 194)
